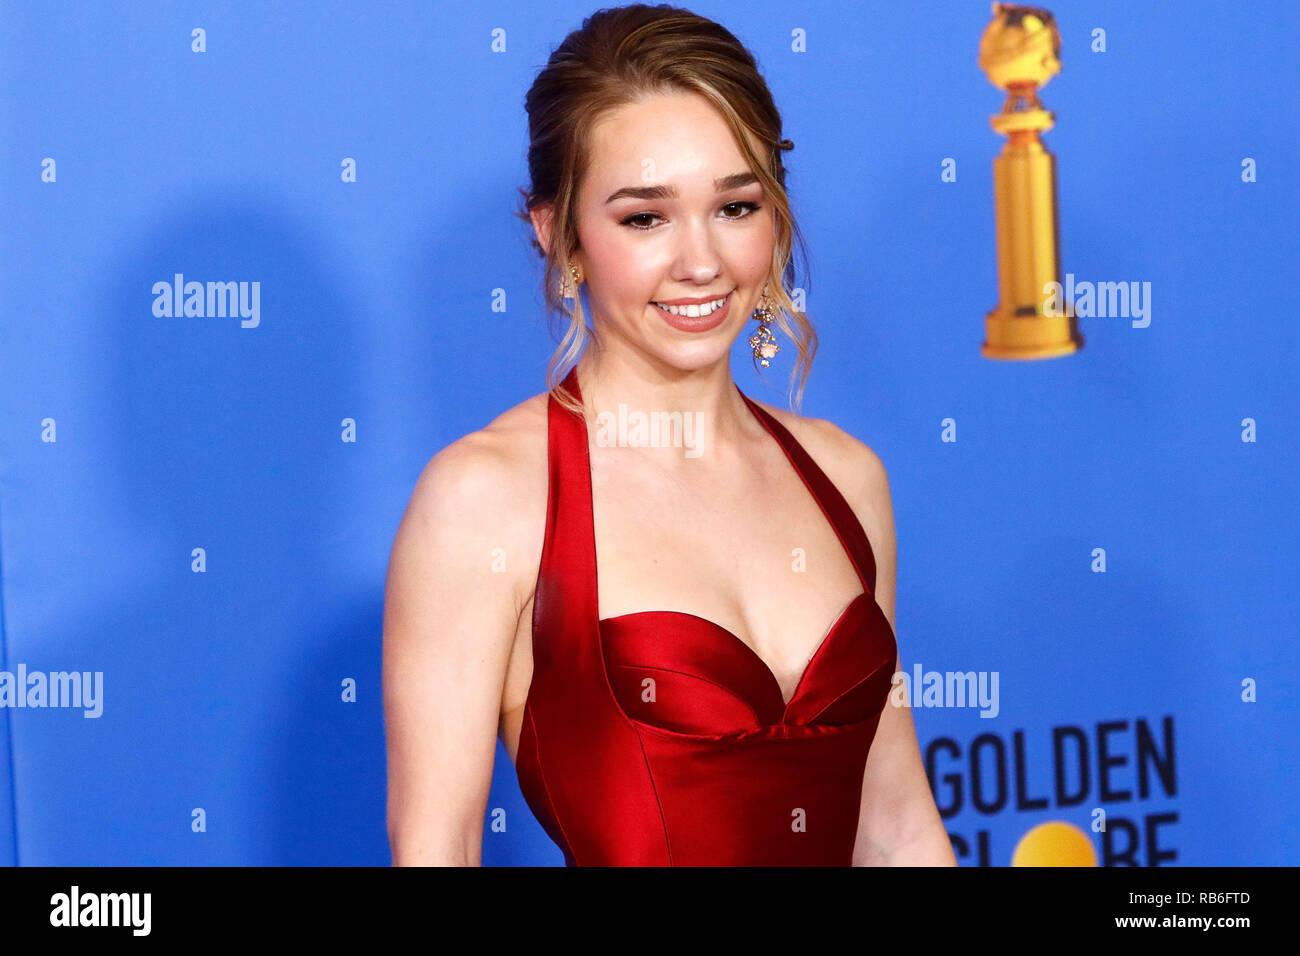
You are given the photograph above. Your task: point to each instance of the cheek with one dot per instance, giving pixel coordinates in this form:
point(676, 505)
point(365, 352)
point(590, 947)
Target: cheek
point(754, 252)
point(629, 270)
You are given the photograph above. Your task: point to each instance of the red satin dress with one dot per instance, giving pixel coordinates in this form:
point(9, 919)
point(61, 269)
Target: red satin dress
point(717, 769)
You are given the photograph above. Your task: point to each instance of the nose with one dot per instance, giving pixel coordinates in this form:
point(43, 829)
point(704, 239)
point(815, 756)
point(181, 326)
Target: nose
point(697, 261)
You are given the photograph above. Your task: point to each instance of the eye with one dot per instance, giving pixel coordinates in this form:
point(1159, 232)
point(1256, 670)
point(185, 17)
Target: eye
point(640, 215)
point(748, 208)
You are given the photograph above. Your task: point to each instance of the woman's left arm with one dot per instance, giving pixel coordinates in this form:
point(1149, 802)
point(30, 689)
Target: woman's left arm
point(898, 824)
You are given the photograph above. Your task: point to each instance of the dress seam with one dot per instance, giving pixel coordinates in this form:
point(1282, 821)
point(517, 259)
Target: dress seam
point(726, 690)
point(546, 790)
point(848, 690)
point(663, 822)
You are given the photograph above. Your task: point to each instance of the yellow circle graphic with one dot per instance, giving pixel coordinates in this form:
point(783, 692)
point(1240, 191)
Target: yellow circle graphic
point(1054, 844)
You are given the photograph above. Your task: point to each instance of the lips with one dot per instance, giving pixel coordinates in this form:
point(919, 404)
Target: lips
point(702, 323)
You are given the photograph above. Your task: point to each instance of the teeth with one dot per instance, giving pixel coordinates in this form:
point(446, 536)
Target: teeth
point(694, 311)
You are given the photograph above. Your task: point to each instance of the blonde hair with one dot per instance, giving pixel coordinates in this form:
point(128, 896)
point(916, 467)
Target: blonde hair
point(620, 56)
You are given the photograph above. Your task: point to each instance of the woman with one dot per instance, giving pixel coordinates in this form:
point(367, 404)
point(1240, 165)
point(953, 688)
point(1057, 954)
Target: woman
point(695, 708)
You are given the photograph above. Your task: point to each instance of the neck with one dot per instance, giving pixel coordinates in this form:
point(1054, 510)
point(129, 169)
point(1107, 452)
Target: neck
point(626, 396)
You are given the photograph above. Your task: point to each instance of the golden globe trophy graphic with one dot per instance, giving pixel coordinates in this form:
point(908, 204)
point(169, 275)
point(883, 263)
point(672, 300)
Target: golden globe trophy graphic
point(1020, 52)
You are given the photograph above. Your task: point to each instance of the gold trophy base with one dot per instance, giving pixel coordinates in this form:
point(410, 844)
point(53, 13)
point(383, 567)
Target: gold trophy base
point(1034, 336)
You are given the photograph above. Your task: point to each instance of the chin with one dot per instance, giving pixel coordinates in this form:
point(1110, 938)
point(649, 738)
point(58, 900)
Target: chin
point(693, 358)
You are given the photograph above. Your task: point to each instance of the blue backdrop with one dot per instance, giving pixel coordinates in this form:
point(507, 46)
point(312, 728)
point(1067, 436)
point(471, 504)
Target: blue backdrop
point(183, 511)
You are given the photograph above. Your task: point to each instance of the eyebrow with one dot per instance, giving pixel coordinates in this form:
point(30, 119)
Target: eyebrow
point(734, 181)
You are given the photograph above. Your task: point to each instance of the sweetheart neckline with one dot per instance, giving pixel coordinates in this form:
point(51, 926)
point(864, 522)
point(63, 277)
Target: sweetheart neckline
point(746, 649)
point(774, 429)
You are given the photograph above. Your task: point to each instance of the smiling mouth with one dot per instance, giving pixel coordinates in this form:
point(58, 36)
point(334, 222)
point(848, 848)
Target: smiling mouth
point(694, 311)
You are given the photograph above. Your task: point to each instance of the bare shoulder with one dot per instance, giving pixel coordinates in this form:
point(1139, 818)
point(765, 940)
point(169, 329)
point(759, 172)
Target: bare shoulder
point(488, 489)
point(485, 467)
point(852, 465)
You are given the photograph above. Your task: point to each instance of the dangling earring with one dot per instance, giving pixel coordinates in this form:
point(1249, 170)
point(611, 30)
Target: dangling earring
point(567, 290)
point(763, 342)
